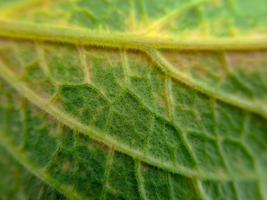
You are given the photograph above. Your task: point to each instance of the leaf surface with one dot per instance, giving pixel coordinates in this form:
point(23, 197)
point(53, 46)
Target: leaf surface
point(135, 100)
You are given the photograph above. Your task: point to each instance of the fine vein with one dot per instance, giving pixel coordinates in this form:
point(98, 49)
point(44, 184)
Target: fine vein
point(97, 135)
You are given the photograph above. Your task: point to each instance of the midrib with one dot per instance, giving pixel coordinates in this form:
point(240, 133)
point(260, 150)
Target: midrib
point(84, 37)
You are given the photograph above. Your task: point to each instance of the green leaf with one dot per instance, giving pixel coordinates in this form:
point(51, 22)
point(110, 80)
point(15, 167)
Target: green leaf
point(133, 99)
point(18, 183)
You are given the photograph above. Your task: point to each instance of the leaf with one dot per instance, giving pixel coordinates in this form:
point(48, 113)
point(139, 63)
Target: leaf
point(134, 100)
point(17, 183)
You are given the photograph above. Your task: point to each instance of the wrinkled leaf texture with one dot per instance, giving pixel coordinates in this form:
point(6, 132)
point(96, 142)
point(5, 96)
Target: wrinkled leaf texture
point(140, 99)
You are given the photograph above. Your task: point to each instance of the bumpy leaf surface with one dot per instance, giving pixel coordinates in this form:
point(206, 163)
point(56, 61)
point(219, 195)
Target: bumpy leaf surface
point(140, 99)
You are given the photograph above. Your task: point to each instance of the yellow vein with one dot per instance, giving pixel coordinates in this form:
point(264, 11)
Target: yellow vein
point(140, 180)
point(199, 189)
point(79, 36)
point(85, 66)
point(163, 21)
point(108, 168)
point(167, 67)
point(169, 97)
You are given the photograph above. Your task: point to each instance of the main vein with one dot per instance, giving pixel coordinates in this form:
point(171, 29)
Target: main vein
point(79, 36)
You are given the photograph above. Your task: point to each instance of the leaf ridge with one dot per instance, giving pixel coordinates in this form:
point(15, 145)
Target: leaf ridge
point(85, 37)
point(140, 180)
point(107, 172)
point(167, 67)
point(159, 23)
